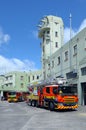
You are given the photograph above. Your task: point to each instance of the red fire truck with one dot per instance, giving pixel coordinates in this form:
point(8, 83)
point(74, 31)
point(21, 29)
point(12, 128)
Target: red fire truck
point(14, 96)
point(53, 96)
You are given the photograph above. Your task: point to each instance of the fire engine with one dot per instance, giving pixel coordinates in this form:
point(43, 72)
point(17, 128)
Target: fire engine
point(14, 96)
point(54, 95)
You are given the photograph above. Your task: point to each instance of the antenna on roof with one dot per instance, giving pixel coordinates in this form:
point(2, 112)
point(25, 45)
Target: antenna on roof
point(70, 24)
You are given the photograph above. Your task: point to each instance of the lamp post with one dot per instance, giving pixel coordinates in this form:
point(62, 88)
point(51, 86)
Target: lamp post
point(70, 17)
point(61, 52)
point(50, 58)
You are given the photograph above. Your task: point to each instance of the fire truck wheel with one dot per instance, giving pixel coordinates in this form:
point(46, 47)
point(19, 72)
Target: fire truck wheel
point(30, 103)
point(37, 104)
point(33, 103)
point(51, 106)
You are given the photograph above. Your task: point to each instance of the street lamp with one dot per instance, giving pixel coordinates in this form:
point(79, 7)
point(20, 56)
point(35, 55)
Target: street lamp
point(70, 17)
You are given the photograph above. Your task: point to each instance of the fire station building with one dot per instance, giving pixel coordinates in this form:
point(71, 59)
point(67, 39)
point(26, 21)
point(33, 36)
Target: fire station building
point(63, 60)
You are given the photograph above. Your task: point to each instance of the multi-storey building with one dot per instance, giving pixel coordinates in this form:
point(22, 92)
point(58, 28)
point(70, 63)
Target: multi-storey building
point(18, 81)
point(58, 59)
point(51, 34)
point(70, 62)
point(34, 77)
point(67, 60)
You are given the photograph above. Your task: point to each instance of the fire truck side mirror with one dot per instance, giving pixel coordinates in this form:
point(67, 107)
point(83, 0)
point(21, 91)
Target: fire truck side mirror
point(41, 91)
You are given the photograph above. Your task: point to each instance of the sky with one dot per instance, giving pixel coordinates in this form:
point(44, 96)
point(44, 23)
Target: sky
point(19, 42)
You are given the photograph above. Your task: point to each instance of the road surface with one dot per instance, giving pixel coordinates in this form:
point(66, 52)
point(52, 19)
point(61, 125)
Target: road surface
point(19, 116)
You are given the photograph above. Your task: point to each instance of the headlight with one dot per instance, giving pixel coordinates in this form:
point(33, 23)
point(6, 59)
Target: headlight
point(60, 104)
point(55, 100)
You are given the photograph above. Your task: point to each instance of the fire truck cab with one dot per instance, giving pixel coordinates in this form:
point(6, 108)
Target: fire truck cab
point(58, 97)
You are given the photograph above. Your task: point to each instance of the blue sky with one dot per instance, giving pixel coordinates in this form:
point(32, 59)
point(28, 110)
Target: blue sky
point(19, 43)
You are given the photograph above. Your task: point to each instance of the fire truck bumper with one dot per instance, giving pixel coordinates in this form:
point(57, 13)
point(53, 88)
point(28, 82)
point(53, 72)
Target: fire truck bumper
point(15, 100)
point(60, 106)
point(12, 100)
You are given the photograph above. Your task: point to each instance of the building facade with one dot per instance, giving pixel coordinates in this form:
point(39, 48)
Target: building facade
point(18, 81)
point(68, 60)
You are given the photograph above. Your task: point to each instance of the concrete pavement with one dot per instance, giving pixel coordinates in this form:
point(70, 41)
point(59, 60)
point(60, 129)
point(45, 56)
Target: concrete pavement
point(19, 116)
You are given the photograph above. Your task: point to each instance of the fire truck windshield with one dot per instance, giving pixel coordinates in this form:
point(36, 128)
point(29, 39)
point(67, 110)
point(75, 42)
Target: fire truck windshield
point(67, 90)
point(12, 93)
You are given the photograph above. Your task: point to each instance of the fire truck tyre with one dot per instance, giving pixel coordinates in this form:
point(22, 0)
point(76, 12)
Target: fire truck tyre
point(33, 103)
point(37, 104)
point(51, 106)
point(30, 103)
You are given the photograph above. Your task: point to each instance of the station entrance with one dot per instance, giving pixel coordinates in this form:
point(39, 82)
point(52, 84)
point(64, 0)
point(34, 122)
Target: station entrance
point(83, 93)
point(3, 95)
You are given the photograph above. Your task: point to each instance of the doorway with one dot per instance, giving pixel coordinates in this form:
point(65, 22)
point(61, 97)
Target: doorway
point(83, 93)
point(5, 95)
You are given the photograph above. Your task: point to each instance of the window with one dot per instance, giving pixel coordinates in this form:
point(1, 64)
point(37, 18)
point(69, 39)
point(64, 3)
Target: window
point(48, 66)
point(58, 60)
point(55, 90)
point(33, 77)
point(10, 84)
point(85, 43)
point(47, 41)
point(71, 75)
point(56, 44)
point(22, 85)
point(77, 40)
point(29, 78)
point(48, 90)
point(44, 75)
point(66, 55)
point(6, 85)
point(6, 78)
point(56, 23)
point(48, 32)
point(52, 64)
point(10, 77)
point(56, 34)
point(83, 71)
point(75, 50)
point(37, 76)
point(21, 77)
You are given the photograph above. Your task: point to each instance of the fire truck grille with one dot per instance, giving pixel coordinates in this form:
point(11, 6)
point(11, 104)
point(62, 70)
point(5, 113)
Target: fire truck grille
point(69, 100)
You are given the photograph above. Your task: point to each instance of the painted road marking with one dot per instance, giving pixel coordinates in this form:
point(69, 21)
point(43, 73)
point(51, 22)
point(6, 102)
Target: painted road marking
point(82, 114)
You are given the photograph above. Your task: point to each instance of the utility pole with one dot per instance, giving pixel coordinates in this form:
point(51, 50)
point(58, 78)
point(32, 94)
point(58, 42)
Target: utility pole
point(70, 18)
point(50, 59)
point(61, 52)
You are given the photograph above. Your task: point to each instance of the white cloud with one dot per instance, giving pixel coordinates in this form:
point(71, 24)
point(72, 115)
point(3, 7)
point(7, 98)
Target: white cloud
point(4, 38)
point(73, 31)
point(14, 64)
point(67, 34)
point(7, 65)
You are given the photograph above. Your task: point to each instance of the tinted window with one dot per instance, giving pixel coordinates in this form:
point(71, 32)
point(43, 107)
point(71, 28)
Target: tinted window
point(48, 90)
point(55, 90)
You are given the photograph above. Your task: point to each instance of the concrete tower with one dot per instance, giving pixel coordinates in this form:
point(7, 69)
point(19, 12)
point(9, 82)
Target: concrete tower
point(51, 34)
